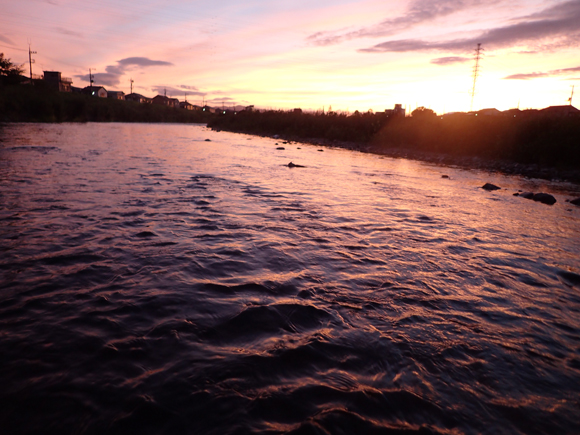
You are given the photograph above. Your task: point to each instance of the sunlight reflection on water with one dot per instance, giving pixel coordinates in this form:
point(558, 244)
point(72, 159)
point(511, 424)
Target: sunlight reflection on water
point(154, 281)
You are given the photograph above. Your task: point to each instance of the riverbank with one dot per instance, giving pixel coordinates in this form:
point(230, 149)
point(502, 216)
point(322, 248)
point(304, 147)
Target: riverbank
point(529, 170)
point(40, 103)
point(535, 147)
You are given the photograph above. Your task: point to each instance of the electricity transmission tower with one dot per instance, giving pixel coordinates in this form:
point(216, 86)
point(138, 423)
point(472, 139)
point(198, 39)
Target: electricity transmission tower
point(478, 52)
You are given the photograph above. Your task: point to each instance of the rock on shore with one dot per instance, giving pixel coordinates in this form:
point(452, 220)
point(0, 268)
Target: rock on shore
point(490, 187)
point(544, 198)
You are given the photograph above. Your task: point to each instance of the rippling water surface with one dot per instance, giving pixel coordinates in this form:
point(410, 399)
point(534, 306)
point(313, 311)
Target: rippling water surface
point(155, 282)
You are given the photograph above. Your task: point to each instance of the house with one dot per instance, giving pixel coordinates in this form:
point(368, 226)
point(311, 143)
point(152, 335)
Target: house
point(209, 109)
point(165, 101)
point(116, 95)
point(137, 98)
point(55, 80)
point(95, 91)
point(560, 111)
point(186, 105)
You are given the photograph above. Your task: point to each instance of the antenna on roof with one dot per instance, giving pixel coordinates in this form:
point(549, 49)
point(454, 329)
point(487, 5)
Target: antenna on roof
point(131, 80)
point(91, 80)
point(571, 95)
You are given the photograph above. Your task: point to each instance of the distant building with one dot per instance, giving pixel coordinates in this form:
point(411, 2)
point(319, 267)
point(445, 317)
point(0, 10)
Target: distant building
point(55, 80)
point(398, 110)
point(186, 105)
point(95, 91)
point(137, 98)
point(116, 95)
point(560, 111)
point(165, 101)
point(209, 109)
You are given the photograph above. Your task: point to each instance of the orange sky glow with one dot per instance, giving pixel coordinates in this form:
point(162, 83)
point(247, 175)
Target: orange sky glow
point(348, 55)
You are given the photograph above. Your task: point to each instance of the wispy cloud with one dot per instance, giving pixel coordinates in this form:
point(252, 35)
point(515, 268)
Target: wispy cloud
point(560, 23)
point(450, 60)
point(6, 40)
point(419, 12)
point(179, 91)
point(535, 75)
point(69, 32)
point(113, 73)
point(142, 61)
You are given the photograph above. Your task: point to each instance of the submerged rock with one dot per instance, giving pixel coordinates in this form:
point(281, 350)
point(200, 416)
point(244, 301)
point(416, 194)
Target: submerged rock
point(280, 148)
point(444, 176)
point(490, 187)
point(575, 201)
point(292, 165)
point(544, 198)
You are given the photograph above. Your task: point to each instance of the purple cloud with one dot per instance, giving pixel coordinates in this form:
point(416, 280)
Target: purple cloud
point(419, 12)
point(450, 60)
point(560, 22)
point(177, 91)
point(113, 73)
point(142, 61)
point(535, 75)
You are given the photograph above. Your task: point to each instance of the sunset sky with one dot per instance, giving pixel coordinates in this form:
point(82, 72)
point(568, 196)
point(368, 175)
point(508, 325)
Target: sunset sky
point(350, 55)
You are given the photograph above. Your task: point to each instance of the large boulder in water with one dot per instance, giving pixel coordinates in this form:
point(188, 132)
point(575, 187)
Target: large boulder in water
point(544, 198)
point(575, 201)
point(490, 187)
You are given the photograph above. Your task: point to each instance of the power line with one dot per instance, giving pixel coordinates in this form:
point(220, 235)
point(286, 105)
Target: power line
point(13, 48)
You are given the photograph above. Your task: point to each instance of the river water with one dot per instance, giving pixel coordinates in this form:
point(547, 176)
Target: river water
point(170, 279)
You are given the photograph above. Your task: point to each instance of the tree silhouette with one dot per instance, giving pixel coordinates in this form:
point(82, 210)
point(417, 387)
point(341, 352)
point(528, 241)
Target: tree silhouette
point(422, 112)
point(9, 72)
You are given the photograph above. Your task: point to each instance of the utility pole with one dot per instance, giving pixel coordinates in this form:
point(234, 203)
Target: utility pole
point(571, 95)
point(478, 51)
point(131, 80)
point(30, 61)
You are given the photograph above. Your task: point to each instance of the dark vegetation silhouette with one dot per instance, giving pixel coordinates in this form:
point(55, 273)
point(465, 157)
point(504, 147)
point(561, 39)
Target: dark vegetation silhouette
point(527, 139)
point(10, 73)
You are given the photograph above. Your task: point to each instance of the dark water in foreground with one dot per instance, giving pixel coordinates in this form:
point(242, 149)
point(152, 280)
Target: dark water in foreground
point(152, 282)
